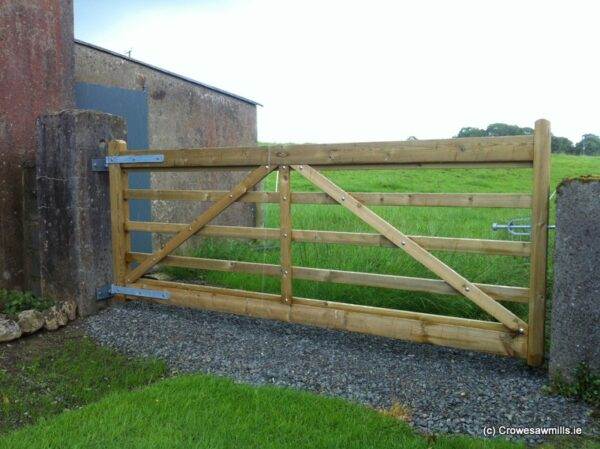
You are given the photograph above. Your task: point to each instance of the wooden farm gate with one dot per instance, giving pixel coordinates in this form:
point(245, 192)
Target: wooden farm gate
point(509, 335)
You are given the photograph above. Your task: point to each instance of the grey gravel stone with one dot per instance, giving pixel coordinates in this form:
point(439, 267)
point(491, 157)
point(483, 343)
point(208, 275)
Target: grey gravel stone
point(30, 321)
point(448, 391)
point(9, 329)
point(69, 309)
point(52, 318)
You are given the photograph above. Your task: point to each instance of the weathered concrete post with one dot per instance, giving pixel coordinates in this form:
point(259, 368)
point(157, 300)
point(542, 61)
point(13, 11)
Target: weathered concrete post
point(575, 331)
point(74, 204)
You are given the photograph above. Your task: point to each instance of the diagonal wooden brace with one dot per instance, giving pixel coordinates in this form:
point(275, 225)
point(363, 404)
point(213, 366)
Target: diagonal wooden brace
point(462, 285)
point(219, 206)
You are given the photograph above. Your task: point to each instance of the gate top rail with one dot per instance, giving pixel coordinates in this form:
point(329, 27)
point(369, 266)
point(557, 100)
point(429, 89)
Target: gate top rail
point(449, 152)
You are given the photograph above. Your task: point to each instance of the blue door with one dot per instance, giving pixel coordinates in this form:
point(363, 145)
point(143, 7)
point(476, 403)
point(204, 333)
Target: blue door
point(132, 105)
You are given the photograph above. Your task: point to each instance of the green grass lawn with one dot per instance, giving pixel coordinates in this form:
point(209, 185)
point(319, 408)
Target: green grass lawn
point(50, 373)
point(434, 221)
point(207, 412)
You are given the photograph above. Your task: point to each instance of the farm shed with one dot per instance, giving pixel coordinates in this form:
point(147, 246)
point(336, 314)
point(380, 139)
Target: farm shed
point(166, 110)
point(47, 70)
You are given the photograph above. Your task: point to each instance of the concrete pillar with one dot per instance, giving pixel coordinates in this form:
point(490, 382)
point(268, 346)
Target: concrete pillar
point(36, 76)
point(575, 327)
point(74, 205)
point(31, 237)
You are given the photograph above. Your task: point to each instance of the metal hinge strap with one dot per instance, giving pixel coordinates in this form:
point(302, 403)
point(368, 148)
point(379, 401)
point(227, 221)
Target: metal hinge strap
point(109, 290)
point(101, 164)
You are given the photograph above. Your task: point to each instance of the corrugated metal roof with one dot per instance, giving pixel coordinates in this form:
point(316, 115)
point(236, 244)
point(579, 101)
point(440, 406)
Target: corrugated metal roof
point(166, 72)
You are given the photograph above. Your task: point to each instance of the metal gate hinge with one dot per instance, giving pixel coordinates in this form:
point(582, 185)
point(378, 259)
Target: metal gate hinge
point(109, 290)
point(101, 164)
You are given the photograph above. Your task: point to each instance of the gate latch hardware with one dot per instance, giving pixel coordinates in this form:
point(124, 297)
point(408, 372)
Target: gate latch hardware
point(517, 226)
point(109, 290)
point(101, 164)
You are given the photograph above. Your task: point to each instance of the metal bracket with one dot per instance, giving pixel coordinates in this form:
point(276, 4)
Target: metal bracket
point(101, 164)
point(517, 226)
point(109, 290)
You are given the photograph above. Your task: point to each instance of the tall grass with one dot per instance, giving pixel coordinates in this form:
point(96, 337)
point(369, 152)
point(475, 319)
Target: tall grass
point(434, 221)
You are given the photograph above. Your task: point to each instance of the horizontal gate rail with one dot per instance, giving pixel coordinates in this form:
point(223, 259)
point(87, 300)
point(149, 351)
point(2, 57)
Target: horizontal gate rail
point(492, 200)
point(498, 292)
point(455, 244)
point(472, 150)
point(509, 335)
point(455, 332)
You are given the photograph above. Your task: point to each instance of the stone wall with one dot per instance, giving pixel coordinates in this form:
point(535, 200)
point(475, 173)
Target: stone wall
point(575, 326)
point(181, 114)
point(36, 75)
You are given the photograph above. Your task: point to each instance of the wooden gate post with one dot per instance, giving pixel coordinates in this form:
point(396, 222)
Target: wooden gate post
point(118, 213)
point(539, 242)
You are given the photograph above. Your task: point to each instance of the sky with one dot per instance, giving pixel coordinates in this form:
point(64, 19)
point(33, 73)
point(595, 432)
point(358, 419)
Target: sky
point(342, 71)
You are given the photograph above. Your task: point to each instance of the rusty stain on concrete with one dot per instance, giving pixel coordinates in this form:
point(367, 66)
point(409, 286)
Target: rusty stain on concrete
point(36, 56)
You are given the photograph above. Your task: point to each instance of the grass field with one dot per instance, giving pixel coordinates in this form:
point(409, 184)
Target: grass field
point(45, 375)
point(433, 221)
point(208, 412)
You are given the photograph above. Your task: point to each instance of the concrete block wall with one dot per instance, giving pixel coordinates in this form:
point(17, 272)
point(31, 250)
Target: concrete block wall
point(181, 114)
point(36, 76)
point(575, 326)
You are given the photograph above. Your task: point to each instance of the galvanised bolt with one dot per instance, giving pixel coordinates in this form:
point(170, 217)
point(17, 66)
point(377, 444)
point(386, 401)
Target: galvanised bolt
point(403, 243)
point(467, 288)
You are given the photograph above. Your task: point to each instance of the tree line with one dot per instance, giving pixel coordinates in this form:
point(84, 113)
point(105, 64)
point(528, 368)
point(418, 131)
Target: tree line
point(589, 145)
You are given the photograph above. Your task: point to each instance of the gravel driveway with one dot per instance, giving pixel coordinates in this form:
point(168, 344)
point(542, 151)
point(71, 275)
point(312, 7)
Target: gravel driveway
point(448, 391)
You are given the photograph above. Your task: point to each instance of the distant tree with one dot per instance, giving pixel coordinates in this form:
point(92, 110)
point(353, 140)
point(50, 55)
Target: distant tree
point(589, 145)
point(562, 145)
point(471, 132)
point(502, 129)
point(495, 130)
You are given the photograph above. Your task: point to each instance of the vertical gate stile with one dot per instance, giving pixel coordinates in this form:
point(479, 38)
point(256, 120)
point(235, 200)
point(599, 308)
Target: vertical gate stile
point(539, 241)
point(126, 218)
point(285, 230)
point(117, 184)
